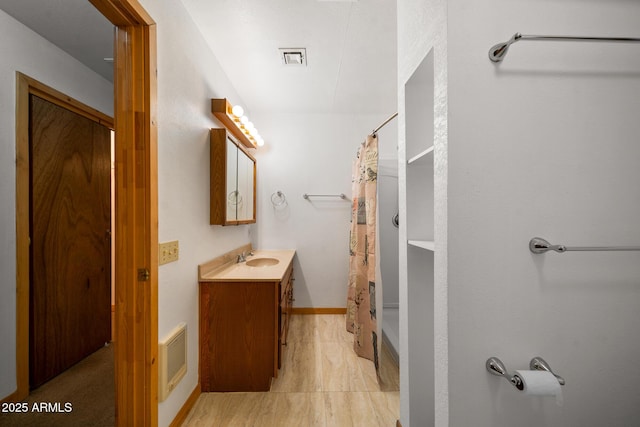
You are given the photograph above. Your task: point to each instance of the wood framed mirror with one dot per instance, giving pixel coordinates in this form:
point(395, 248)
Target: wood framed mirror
point(232, 181)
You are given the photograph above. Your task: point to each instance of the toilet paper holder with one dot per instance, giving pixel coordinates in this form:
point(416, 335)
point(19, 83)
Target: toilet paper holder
point(496, 367)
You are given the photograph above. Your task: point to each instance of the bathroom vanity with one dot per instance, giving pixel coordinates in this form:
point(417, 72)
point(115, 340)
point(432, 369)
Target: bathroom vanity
point(244, 318)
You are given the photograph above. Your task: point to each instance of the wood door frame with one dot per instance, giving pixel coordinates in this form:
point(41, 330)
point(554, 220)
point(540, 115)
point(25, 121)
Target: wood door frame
point(136, 216)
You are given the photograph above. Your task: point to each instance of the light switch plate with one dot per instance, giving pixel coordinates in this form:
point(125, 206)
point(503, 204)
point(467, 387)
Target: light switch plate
point(168, 252)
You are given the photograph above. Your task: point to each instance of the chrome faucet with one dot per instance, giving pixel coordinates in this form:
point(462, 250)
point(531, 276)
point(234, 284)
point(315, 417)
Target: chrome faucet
point(241, 258)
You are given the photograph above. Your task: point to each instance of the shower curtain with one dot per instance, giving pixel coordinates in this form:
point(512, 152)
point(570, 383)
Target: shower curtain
point(362, 317)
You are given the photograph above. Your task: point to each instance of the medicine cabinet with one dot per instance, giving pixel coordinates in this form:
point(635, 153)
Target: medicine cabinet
point(233, 181)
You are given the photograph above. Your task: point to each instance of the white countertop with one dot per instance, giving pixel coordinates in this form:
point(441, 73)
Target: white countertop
point(241, 272)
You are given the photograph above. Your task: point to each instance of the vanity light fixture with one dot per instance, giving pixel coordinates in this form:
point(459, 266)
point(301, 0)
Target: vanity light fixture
point(236, 122)
point(237, 111)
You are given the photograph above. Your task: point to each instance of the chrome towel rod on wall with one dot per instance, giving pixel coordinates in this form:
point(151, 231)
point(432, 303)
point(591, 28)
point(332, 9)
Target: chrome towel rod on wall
point(306, 196)
point(538, 245)
point(499, 51)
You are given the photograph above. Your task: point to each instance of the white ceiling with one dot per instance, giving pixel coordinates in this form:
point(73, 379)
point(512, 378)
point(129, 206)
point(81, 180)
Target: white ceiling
point(351, 52)
point(75, 26)
point(351, 48)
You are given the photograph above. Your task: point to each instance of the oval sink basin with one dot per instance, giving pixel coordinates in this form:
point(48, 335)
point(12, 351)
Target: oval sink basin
point(262, 262)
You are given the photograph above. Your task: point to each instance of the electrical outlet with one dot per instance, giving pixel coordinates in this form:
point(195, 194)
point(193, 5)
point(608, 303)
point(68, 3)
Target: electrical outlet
point(168, 252)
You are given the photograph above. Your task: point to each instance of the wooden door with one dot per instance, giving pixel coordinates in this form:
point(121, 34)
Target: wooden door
point(70, 291)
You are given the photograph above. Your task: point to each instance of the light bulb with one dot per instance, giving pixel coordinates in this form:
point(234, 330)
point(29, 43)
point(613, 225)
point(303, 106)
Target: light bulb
point(244, 120)
point(260, 142)
point(237, 111)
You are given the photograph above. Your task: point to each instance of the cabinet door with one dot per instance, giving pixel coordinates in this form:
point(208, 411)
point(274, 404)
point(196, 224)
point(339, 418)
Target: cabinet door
point(233, 197)
point(238, 336)
point(245, 187)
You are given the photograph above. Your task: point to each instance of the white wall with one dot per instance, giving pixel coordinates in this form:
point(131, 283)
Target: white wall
point(543, 144)
point(312, 153)
point(189, 75)
point(25, 51)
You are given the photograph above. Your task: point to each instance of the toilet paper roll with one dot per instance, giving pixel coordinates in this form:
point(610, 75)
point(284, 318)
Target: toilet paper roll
point(540, 383)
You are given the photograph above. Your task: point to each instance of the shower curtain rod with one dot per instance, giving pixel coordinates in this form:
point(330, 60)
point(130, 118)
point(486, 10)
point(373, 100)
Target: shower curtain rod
point(393, 116)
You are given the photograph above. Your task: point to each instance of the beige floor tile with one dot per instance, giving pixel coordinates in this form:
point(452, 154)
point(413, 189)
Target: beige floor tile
point(322, 383)
point(387, 407)
point(303, 328)
point(226, 410)
point(389, 379)
point(368, 374)
point(389, 371)
point(350, 409)
point(206, 408)
point(301, 368)
point(293, 410)
point(341, 368)
point(332, 328)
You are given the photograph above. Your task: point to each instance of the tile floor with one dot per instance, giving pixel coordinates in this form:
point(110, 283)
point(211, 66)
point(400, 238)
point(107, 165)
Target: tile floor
point(322, 383)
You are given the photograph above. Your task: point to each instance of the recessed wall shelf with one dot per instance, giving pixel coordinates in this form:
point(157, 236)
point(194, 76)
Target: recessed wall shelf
point(424, 244)
point(420, 156)
point(222, 110)
point(420, 236)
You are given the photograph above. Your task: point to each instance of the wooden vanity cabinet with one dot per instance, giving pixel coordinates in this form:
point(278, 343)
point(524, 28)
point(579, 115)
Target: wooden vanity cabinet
point(242, 328)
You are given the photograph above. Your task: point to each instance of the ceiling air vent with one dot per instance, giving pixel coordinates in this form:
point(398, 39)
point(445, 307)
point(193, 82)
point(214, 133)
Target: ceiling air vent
point(294, 56)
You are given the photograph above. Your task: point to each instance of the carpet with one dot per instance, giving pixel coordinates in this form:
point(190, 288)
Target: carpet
point(83, 395)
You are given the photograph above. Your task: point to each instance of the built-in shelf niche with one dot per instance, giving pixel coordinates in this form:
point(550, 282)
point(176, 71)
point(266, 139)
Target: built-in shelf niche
point(424, 244)
point(421, 248)
point(420, 197)
point(423, 156)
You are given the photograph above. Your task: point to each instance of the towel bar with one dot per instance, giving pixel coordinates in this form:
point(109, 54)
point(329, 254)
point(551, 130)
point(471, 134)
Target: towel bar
point(499, 51)
point(306, 196)
point(538, 245)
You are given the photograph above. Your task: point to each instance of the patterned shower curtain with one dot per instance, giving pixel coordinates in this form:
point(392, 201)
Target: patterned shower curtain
point(361, 300)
